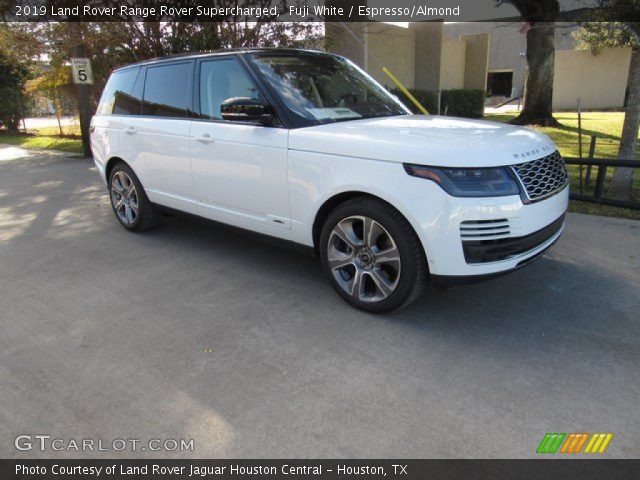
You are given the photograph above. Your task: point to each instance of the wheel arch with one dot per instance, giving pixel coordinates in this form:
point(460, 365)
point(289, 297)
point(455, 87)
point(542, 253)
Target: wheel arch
point(335, 200)
point(108, 167)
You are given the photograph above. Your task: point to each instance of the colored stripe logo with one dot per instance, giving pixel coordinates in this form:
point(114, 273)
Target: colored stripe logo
point(574, 443)
point(598, 443)
point(550, 442)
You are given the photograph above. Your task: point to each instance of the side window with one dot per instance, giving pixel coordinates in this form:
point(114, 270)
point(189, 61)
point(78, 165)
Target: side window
point(220, 80)
point(166, 90)
point(130, 103)
point(118, 87)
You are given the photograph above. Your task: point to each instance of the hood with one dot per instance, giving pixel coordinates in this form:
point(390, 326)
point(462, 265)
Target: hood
point(425, 140)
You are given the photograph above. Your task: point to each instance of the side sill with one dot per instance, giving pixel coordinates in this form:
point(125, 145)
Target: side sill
point(261, 237)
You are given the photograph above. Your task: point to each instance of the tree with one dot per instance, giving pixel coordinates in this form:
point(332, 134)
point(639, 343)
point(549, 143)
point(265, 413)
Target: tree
point(113, 44)
point(12, 79)
point(53, 84)
point(540, 16)
point(596, 37)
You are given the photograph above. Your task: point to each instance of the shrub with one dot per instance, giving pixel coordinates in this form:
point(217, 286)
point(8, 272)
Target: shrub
point(12, 79)
point(462, 103)
point(427, 99)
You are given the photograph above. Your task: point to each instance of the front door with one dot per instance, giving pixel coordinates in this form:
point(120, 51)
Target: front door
point(239, 170)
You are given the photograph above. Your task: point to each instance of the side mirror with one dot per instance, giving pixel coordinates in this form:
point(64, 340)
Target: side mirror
point(245, 109)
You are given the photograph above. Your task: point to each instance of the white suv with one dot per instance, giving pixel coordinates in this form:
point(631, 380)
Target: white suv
point(307, 147)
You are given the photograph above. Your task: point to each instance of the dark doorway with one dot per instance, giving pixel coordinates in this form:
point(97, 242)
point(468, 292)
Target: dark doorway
point(499, 84)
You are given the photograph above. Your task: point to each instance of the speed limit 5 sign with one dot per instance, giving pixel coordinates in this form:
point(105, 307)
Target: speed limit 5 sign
point(82, 73)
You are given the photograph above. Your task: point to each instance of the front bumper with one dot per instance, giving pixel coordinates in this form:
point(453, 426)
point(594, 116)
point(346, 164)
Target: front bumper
point(528, 230)
point(458, 280)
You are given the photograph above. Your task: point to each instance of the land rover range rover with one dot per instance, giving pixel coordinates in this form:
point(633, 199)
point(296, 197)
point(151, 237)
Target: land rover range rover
point(307, 147)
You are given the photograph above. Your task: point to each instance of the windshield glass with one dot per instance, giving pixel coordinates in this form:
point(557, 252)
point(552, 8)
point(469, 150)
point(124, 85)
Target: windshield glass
point(322, 88)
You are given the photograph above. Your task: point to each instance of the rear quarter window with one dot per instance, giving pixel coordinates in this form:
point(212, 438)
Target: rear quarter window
point(117, 97)
point(166, 90)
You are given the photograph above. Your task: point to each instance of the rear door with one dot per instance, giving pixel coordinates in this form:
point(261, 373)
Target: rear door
point(239, 169)
point(158, 139)
point(122, 97)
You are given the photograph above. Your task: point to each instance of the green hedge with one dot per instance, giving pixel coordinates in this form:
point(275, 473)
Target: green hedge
point(462, 103)
point(457, 103)
point(427, 99)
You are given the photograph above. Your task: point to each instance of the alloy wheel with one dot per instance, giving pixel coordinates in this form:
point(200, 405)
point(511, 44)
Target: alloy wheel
point(364, 259)
point(124, 198)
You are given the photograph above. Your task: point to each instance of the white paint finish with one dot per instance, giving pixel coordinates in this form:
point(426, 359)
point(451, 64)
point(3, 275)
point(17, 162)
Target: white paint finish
point(104, 140)
point(245, 175)
point(274, 181)
point(435, 215)
point(315, 177)
point(428, 140)
point(439, 226)
point(158, 151)
point(229, 160)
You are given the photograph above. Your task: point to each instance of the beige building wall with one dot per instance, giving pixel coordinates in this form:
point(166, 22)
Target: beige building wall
point(600, 81)
point(418, 55)
point(428, 57)
point(476, 60)
point(393, 47)
point(340, 41)
point(453, 62)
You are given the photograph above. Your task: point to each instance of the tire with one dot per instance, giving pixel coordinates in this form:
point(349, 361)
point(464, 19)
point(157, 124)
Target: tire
point(384, 270)
point(129, 201)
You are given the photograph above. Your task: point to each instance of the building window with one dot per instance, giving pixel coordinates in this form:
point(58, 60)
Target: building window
point(499, 84)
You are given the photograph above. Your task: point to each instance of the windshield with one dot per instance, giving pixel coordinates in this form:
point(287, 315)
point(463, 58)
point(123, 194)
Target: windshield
point(323, 88)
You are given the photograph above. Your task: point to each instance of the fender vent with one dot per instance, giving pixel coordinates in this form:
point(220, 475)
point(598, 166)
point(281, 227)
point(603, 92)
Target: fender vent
point(485, 229)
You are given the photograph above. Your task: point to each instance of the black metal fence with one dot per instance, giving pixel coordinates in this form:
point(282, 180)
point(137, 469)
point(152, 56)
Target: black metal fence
point(598, 195)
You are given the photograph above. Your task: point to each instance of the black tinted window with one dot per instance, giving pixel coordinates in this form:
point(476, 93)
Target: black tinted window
point(220, 80)
point(130, 103)
point(118, 88)
point(166, 90)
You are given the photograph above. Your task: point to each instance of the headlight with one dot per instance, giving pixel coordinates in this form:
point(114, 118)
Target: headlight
point(468, 182)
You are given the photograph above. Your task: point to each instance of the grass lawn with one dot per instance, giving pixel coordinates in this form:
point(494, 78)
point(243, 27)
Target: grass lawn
point(55, 131)
point(606, 126)
point(43, 141)
point(47, 138)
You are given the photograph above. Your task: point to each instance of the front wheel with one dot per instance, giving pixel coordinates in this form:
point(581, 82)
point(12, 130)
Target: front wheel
point(372, 256)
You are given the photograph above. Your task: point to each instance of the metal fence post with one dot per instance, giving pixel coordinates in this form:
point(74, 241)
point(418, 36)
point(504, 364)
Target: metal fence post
point(580, 141)
point(602, 173)
point(592, 151)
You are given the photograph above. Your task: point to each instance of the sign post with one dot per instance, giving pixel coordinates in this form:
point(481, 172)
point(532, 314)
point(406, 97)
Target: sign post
point(83, 77)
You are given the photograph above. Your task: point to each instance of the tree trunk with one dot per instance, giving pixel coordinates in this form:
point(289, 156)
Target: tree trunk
point(540, 61)
point(621, 184)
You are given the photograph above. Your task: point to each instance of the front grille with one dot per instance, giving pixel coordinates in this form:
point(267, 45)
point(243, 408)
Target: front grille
point(494, 250)
point(543, 177)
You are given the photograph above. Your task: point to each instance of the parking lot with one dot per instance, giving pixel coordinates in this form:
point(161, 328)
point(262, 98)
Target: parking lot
point(196, 330)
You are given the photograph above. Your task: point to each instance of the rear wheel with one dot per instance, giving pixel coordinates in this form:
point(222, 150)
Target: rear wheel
point(372, 256)
point(129, 201)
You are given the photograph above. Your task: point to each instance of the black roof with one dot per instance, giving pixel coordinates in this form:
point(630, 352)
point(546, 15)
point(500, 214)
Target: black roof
point(224, 51)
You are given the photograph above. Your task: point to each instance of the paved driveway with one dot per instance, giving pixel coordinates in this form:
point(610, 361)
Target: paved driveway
point(199, 331)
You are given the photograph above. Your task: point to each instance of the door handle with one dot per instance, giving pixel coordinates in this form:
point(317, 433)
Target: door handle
point(130, 130)
point(206, 138)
